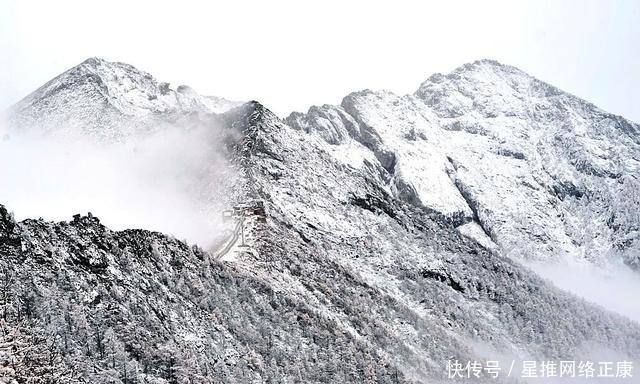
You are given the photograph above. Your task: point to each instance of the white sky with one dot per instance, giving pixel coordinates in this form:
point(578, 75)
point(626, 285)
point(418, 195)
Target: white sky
point(292, 54)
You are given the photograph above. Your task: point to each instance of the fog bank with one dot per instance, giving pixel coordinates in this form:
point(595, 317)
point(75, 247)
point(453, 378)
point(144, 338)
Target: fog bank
point(172, 181)
point(614, 286)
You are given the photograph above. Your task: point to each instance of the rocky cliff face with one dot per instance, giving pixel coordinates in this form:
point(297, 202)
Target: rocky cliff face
point(544, 174)
point(388, 247)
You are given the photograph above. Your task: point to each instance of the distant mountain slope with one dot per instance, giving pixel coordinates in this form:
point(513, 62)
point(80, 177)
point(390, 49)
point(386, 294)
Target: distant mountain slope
point(110, 100)
point(322, 208)
point(543, 173)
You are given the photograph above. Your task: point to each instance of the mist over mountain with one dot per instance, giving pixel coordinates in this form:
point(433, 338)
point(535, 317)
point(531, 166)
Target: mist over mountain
point(109, 139)
point(398, 232)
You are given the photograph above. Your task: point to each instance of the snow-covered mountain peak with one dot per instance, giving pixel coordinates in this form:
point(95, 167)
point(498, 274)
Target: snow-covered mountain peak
point(120, 85)
point(485, 87)
point(475, 67)
point(490, 145)
point(103, 97)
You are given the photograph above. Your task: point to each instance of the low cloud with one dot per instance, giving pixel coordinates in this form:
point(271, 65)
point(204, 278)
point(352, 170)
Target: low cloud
point(613, 286)
point(174, 181)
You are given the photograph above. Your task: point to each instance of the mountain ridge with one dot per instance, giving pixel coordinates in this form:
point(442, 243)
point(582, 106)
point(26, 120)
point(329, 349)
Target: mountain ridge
point(450, 109)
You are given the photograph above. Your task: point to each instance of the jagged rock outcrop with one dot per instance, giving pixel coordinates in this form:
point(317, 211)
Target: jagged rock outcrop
point(330, 211)
point(530, 164)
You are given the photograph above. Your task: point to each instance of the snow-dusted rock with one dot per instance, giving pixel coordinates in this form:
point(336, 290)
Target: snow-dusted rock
point(108, 99)
point(534, 166)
